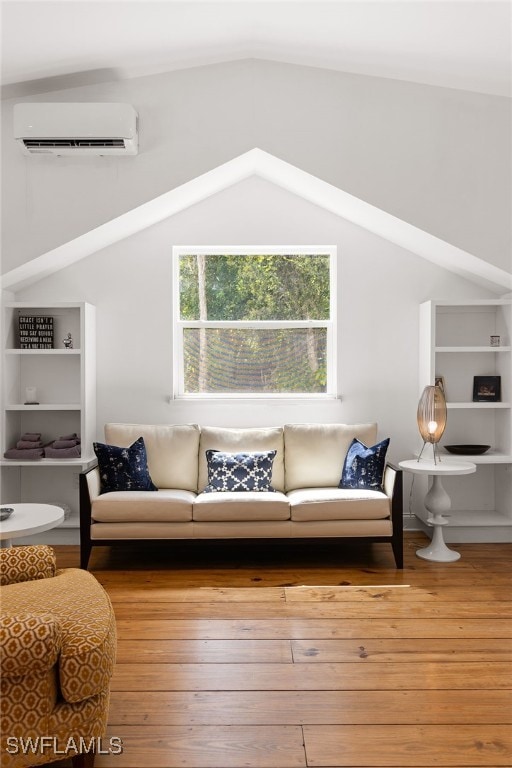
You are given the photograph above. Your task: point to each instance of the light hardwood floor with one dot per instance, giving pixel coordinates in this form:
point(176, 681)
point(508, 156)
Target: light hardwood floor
point(287, 656)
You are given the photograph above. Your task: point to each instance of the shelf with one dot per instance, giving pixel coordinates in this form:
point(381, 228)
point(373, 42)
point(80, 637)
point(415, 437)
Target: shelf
point(470, 304)
point(477, 518)
point(80, 463)
point(44, 407)
point(490, 457)
point(489, 406)
point(43, 352)
point(472, 349)
point(455, 344)
point(474, 518)
point(65, 383)
point(70, 524)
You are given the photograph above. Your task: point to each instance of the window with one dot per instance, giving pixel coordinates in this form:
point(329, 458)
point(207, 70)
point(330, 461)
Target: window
point(254, 322)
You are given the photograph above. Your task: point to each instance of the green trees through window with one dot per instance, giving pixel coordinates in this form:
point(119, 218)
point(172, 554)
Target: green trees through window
point(254, 322)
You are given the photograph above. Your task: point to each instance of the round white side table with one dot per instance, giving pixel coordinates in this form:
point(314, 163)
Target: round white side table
point(437, 502)
point(28, 519)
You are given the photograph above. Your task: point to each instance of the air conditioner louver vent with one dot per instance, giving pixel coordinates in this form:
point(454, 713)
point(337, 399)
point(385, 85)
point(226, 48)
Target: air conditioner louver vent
point(70, 143)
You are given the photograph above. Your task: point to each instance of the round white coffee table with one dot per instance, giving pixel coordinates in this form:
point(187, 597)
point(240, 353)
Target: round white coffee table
point(28, 519)
point(437, 502)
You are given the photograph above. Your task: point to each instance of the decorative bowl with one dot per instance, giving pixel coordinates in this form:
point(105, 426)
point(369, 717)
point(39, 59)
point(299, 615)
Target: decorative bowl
point(467, 450)
point(5, 513)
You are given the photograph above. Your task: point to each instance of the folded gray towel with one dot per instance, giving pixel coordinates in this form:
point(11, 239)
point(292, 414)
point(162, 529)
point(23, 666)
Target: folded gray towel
point(32, 437)
point(63, 444)
point(24, 453)
point(24, 444)
point(62, 453)
point(73, 436)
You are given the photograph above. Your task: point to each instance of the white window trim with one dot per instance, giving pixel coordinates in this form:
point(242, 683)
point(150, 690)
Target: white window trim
point(179, 325)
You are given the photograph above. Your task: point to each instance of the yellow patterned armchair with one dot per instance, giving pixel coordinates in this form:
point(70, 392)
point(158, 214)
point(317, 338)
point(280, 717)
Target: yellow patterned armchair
point(57, 653)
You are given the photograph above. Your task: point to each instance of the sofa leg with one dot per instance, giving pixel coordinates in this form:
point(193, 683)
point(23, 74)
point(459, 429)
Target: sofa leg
point(85, 522)
point(85, 760)
point(398, 552)
point(85, 553)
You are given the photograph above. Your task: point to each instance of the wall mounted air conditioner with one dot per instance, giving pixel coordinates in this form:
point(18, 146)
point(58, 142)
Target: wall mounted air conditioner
point(76, 129)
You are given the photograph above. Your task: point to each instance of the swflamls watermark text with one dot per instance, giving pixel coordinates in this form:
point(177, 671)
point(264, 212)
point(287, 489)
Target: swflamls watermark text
point(45, 745)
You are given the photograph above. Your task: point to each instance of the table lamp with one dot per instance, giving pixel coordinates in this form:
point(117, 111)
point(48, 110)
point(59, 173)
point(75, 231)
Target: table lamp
point(431, 417)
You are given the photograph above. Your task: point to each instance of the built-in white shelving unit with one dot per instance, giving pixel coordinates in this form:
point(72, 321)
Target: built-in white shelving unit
point(455, 344)
point(65, 381)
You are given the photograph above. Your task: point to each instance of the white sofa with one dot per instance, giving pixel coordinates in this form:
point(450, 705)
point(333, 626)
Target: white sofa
point(307, 502)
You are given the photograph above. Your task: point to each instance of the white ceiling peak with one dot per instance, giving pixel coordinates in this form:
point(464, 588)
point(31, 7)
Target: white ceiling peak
point(256, 162)
point(463, 44)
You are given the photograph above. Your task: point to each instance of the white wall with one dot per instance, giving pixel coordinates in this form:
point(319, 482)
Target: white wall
point(435, 157)
point(379, 289)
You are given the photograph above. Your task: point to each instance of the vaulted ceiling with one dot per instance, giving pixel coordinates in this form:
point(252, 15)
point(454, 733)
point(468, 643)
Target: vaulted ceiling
point(48, 45)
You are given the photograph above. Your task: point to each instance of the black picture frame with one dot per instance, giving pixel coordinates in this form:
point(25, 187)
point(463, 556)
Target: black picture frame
point(35, 332)
point(487, 389)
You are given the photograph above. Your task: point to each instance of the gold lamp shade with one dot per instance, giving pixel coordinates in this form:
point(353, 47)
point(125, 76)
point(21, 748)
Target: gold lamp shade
point(431, 416)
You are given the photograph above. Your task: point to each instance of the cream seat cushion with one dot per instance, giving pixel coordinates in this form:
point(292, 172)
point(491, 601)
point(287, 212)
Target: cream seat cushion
point(338, 504)
point(164, 505)
point(241, 506)
point(315, 453)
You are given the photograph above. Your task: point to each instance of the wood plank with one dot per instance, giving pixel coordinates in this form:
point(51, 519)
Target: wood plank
point(140, 586)
point(258, 578)
point(499, 564)
point(403, 593)
point(233, 575)
point(405, 745)
point(207, 747)
point(199, 651)
point(371, 650)
point(157, 590)
point(289, 677)
point(262, 629)
point(257, 610)
point(310, 707)
point(362, 650)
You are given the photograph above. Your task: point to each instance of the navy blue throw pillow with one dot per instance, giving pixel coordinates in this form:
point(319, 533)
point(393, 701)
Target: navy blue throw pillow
point(364, 466)
point(123, 469)
point(239, 471)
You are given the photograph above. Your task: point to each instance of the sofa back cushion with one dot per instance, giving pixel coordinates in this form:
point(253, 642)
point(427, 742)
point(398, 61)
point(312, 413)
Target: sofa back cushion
point(315, 453)
point(172, 451)
point(242, 441)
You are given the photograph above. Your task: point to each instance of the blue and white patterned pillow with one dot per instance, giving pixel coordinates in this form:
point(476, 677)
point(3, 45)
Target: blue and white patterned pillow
point(364, 466)
point(123, 469)
point(239, 471)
